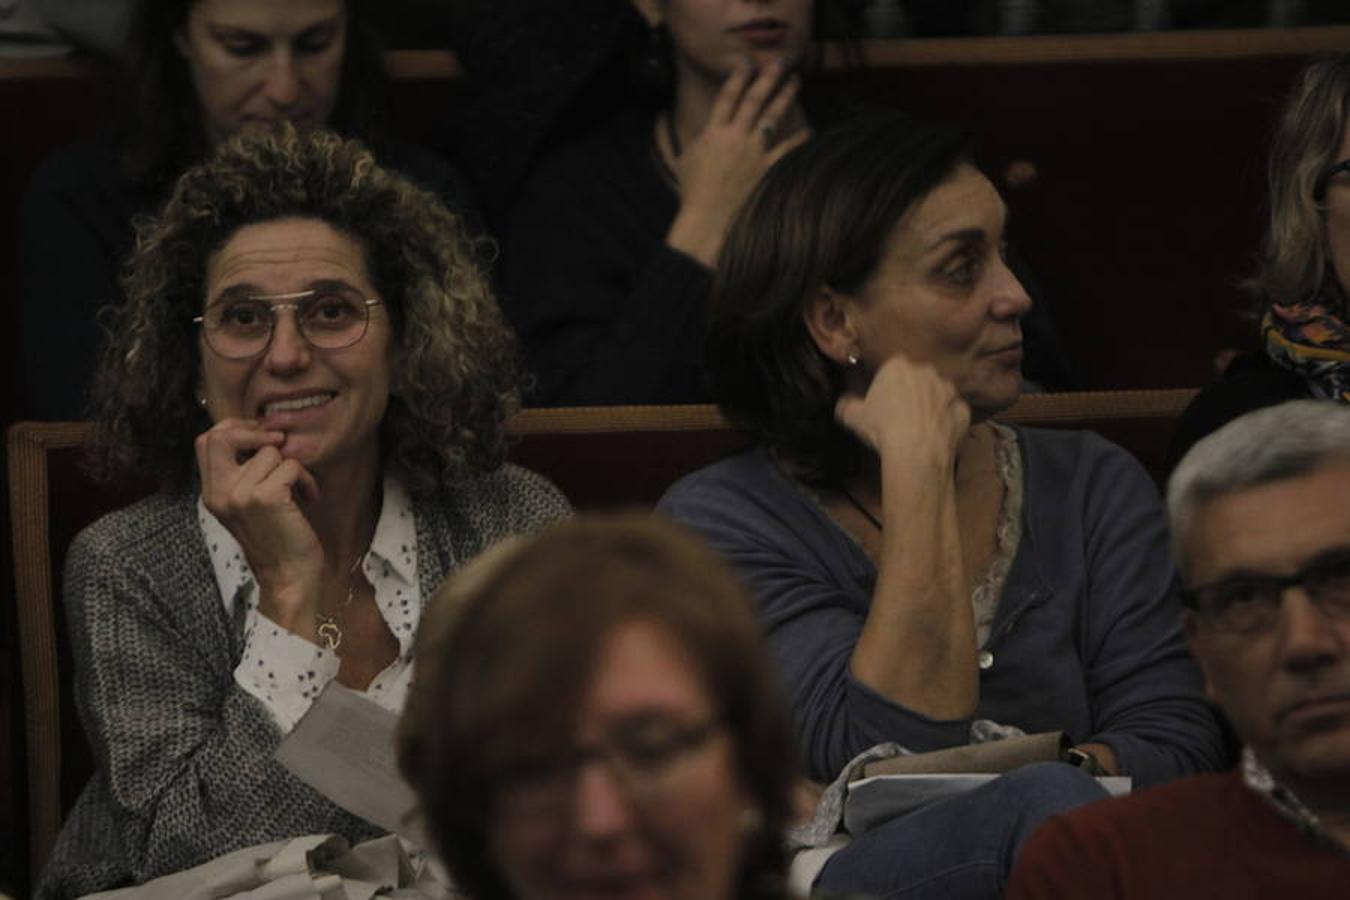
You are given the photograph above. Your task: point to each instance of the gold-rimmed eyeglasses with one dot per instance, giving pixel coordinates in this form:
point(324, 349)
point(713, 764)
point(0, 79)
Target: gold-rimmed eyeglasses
point(329, 317)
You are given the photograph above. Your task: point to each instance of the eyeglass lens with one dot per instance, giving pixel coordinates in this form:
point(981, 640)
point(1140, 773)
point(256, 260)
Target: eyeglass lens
point(641, 758)
point(1252, 603)
point(329, 318)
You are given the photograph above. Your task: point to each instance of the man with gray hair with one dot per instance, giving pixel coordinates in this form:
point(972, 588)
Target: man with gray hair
point(1261, 525)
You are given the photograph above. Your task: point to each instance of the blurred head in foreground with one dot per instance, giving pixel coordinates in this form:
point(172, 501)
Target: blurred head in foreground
point(595, 710)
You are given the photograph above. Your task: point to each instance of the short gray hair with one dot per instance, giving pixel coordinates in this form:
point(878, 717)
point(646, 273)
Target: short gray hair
point(1268, 445)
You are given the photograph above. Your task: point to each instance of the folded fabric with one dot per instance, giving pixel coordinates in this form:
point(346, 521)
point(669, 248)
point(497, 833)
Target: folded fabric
point(313, 867)
point(992, 745)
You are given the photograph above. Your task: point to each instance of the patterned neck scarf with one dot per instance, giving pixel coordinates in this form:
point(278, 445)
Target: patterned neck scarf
point(1312, 341)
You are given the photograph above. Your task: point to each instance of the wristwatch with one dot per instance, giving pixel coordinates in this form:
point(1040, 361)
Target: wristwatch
point(1083, 760)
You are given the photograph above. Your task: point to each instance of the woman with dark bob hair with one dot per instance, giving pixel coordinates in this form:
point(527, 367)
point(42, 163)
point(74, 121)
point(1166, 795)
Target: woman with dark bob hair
point(194, 73)
point(929, 576)
point(312, 366)
point(1302, 281)
point(594, 709)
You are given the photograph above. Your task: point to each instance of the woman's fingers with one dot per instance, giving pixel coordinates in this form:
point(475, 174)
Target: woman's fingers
point(237, 437)
point(787, 145)
point(249, 476)
point(728, 98)
point(847, 410)
point(284, 483)
point(759, 95)
point(305, 486)
point(905, 405)
point(773, 117)
point(226, 448)
point(243, 473)
point(723, 163)
point(259, 496)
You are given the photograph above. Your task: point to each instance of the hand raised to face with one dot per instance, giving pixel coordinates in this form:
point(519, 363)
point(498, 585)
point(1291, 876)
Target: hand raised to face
point(754, 122)
point(257, 494)
point(910, 412)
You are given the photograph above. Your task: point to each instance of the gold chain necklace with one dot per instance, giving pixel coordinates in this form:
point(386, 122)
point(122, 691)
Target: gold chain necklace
point(329, 629)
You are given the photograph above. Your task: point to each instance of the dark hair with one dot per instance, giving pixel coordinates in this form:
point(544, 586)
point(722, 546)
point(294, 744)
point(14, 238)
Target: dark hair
point(454, 378)
point(160, 129)
point(819, 218)
point(507, 649)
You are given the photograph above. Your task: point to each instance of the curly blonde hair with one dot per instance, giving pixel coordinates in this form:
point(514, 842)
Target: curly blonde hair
point(1292, 266)
point(455, 378)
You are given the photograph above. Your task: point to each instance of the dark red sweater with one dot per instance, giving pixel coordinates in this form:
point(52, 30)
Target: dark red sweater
point(1205, 836)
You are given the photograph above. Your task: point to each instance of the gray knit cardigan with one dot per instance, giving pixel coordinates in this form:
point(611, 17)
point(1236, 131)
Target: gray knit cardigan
point(184, 755)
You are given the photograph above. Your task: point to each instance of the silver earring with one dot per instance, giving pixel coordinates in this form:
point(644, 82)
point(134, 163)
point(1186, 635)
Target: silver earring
point(201, 401)
point(852, 360)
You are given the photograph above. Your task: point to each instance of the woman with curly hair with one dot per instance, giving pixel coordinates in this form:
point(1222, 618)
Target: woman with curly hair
point(194, 73)
point(311, 363)
point(1302, 280)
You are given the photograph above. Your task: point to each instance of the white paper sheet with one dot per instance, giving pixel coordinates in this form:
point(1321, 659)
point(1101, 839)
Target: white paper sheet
point(344, 749)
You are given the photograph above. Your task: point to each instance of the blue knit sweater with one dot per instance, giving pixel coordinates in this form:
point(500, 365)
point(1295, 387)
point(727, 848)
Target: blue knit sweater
point(1086, 637)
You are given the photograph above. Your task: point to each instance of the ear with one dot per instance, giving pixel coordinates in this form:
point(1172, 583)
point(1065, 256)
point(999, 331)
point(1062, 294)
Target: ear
point(830, 320)
point(1196, 641)
point(650, 10)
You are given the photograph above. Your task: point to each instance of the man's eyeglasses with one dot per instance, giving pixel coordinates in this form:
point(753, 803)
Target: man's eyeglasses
point(329, 318)
point(1250, 604)
point(643, 757)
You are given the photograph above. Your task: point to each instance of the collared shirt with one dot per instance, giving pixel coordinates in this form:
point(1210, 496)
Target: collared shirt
point(285, 671)
point(1258, 778)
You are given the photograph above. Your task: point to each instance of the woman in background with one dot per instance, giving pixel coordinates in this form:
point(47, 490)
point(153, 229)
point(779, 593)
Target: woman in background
point(928, 576)
point(196, 72)
point(615, 234)
point(1303, 280)
point(310, 364)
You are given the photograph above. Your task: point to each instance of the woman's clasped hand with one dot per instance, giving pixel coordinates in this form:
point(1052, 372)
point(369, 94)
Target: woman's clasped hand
point(259, 495)
point(909, 411)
